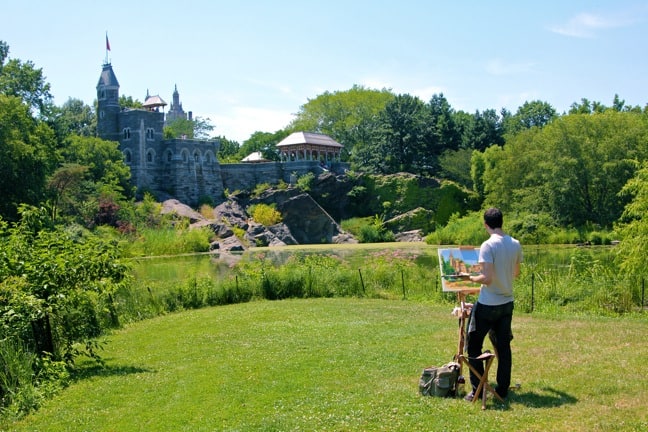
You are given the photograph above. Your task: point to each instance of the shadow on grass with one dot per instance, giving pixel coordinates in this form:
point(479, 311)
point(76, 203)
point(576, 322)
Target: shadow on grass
point(98, 370)
point(547, 397)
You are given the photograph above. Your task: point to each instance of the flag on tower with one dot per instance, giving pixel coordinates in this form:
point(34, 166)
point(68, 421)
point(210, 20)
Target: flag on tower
point(107, 43)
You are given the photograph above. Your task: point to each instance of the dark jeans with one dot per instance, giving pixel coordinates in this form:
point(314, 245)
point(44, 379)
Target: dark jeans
point(498, 319)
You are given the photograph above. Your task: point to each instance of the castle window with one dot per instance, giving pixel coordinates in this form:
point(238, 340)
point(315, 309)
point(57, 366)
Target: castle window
point(196, 157)
point(185, 156)
point(127, 133)
point(102, 114)
point(169, 156)
point(149, 157)
point(127, 156)
point(149, 133)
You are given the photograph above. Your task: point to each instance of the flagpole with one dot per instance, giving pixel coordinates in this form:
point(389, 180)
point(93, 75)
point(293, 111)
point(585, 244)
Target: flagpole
point(107, 49)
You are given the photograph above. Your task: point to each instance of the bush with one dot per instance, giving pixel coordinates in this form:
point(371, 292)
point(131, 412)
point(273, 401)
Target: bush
point(368, 230)
point(466, 230)
point(265, 214)
point(305, 182)
point(260, 188)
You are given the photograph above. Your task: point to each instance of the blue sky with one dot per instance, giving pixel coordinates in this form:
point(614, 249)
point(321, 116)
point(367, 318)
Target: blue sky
point(250, 65)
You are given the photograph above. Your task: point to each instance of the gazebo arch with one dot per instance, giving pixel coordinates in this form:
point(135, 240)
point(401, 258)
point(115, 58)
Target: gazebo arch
point(309, 146)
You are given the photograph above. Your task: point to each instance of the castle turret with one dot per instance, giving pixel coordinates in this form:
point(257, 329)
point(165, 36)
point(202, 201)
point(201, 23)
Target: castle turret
point(176, 111)
point(108, 104)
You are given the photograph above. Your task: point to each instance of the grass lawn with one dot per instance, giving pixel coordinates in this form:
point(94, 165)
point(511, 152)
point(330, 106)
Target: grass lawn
point(347, 365)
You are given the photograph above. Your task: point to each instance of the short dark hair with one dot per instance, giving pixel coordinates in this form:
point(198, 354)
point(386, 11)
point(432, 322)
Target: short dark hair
point(493, 218)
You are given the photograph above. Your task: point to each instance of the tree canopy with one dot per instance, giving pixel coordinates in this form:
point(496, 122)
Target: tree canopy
point(346, 116)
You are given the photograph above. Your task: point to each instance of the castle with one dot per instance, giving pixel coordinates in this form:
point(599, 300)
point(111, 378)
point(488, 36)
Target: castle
point(188, 169)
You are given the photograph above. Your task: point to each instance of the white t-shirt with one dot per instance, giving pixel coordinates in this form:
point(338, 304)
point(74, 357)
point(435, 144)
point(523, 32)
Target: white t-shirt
point(503, 252)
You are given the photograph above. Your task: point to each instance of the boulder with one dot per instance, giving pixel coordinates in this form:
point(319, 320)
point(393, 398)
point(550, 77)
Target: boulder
point(307, 221)
point(175, 207)
point(409, 236)
point(231, 244)
point(282, 234)
point(233, 213)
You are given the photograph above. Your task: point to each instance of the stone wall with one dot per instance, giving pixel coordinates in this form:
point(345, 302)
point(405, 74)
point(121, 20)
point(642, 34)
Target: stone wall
point(245, 176)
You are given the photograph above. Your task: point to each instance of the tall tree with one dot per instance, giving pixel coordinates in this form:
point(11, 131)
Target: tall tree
point(198, 128)
point(572, 169)
point(227, 150)
point(106, 170)
point(25, 81)
point(402, 132)
point(27, 156)
point(74, 117)
point(264, 142)
point(633, 228)
point(346, 116)
point(530, 114)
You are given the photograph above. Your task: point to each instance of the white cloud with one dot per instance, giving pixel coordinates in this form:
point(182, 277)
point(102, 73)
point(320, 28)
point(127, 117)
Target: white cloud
point(241, 122)
point(585, 25)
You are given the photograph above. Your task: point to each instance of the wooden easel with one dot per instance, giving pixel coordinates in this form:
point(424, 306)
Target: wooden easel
point(463, 312)
point(486, 357)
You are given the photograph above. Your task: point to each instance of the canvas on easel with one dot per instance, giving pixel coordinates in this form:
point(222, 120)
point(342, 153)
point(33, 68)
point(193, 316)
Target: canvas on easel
point(457, 265)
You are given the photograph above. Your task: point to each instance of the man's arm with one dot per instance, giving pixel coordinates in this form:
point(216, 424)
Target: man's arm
point(516, 269)
point(486, 275)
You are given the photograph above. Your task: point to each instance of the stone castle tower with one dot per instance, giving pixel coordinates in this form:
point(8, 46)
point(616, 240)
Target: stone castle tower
point(186, 169)
point(176, 111)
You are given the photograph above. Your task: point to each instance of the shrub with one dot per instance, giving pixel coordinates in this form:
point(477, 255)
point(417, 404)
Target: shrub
point(207, 211)
point(260, 188)
point(466, 230)
point(305, 182)
point(265, 214)
point(375, 232)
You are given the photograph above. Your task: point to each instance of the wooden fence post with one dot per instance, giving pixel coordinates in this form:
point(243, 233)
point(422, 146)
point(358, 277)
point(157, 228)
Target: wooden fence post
point(532, 291)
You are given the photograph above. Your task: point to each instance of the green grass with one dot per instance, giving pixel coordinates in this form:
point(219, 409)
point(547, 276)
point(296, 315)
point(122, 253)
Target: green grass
point(347, 365)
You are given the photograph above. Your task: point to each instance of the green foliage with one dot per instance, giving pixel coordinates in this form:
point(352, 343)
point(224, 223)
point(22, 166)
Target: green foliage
point(465, 230)
point(259, 188)
point(74, 117)
point(198, 128)
point(633, 228)
point(572, 168)
point(406, 192)
point(168, 241)
point(305, 182)
point(417, 219)
point(346, 116)
point(56, 291)
point(27, 155)
point(128, 102)
point(409, 135)
point(24, 81)
point(65, 286)
point(265, 214)
point(238, 232)
point(26, 381)
point(455, 165)
point(264, 142)
point(93, 170)
point(227, 150)
point(368, 229)
point(530, 114)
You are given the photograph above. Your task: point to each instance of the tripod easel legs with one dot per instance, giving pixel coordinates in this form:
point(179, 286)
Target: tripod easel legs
point(484, 387)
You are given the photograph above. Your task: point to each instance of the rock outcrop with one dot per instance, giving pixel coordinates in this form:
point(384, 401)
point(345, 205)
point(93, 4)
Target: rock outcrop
point(303, 221)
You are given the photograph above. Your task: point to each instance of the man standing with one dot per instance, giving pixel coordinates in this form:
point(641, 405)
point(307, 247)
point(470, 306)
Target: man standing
point(500, 257)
